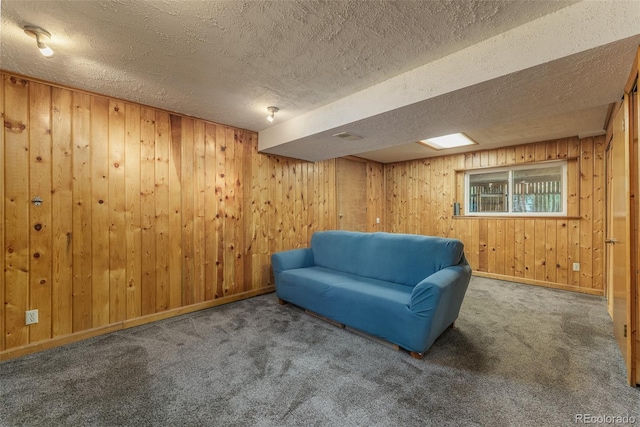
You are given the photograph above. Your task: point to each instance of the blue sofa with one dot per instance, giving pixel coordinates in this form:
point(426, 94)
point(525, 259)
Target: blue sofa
point(406, 289)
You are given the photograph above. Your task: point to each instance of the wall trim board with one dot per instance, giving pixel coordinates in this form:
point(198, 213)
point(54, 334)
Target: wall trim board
point(544, 284)
point(126, 324)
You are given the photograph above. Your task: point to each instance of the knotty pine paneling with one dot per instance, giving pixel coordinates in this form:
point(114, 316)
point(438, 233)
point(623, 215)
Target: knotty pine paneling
point(419, 197)
point(146, 214)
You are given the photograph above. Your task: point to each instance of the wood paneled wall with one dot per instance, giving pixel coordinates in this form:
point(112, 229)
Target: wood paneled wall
point(146, 214)
point(420, 196)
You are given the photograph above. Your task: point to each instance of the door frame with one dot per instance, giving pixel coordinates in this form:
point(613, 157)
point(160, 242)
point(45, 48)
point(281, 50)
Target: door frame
point(632, 120)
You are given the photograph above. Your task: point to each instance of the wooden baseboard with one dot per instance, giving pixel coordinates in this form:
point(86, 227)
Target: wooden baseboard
point(542, 283)
point(125, 324)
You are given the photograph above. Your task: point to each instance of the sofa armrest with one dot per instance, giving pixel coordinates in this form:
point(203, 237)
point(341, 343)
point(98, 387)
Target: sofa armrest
point(449, 284)
point(296, 258)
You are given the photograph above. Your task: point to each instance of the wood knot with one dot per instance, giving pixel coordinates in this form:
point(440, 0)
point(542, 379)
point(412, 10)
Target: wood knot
point(43, 281)
point(36, 255)
point(39, 158)
point(10, 250)
point(101, 201)
point(116, 108)
point(21, 82)
point(116, 165)
point(38, 227)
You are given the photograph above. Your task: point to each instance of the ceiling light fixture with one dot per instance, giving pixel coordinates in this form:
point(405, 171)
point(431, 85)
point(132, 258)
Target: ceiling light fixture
point(40, 34)
point(448, 141)
point(272, 112)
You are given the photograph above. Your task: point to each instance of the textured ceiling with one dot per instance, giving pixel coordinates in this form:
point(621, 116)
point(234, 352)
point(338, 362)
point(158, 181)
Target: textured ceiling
point(226, 61)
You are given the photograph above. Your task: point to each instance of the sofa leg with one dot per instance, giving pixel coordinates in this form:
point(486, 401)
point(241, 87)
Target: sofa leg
point(452, 325)
point(281, 301)
point(415, 355)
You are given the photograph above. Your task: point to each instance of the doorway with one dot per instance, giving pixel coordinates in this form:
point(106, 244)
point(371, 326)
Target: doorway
point(351, 178)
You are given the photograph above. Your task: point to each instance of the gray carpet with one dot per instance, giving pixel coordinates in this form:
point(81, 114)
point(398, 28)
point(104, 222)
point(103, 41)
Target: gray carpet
point(519, 355)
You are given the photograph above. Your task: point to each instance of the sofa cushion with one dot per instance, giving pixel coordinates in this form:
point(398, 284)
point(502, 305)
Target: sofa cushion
point(398, 258)
point(319, 280)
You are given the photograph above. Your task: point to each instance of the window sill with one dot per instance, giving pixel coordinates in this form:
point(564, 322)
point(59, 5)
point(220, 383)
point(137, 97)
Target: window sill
point(514, 217)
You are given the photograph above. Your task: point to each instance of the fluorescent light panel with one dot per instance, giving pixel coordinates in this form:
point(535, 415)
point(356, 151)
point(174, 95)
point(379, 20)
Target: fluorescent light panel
point(448, 141)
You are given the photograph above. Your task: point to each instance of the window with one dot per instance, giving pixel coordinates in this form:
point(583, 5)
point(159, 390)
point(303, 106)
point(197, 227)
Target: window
point(534, 189)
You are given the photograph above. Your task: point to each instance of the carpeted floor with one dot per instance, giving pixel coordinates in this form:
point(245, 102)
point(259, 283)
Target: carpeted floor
point(519, 355)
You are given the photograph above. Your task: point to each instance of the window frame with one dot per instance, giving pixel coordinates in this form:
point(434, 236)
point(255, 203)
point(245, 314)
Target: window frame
point(510, 169)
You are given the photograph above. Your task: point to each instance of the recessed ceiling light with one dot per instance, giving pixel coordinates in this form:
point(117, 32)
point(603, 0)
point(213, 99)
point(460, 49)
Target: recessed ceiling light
point(448, 141)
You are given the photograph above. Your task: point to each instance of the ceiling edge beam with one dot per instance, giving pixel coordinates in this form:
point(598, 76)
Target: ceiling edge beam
point(574, 29)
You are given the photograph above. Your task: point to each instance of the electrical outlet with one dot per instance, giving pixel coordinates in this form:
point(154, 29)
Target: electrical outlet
point(377, 220)
point(31, 317)
point(576, 266)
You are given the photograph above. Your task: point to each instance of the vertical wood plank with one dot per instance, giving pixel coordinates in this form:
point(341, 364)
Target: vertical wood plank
point(16, 302)
point(509, 248)
point(211, 212)
point(563, 148)
point(529, 249)
point(117, 214)
point(540, 149)
point(62, 213)
point(133, 211)
point(562, 252)
point(446, 201)
point(483, 225)
point(188, 183)
point(511, 156)
point(540, 248)
point(82, 212)
point(551, 262)
point(598, 214)
point(491, 238)
point(148, 211)
point(40, 296)
point(221, 147)
point(500, 247)
point(551, 150)
point(331, 196)
point(519, 247)
point(586, 212)
point(100, 211)
point(163, 148)
point(176, 246)
point(474, 253)
point(199, 230)
point(484, 158)
point(230, 284)
point(313, 201)
point(521, 154)
point(573, 236)
point(436, 182)
point(240, 145)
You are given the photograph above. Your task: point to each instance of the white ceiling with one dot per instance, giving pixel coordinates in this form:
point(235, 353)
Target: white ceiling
point(392, 72)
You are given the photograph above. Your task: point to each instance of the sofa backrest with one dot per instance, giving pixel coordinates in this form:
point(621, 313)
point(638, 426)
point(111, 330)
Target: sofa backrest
point(398, 258)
